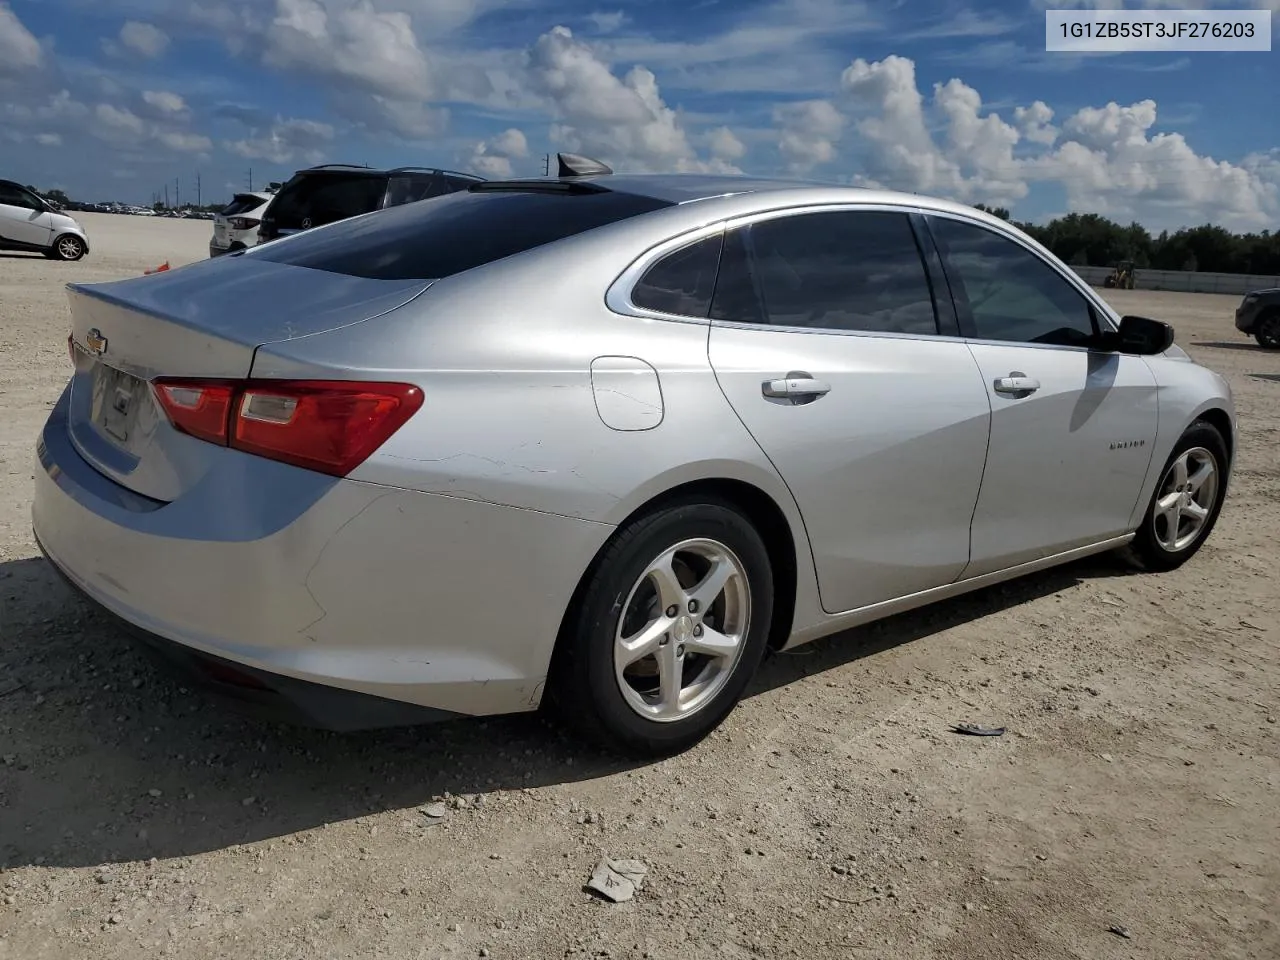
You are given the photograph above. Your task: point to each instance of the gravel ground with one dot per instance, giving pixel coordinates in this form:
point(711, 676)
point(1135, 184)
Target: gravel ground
point(833, 815)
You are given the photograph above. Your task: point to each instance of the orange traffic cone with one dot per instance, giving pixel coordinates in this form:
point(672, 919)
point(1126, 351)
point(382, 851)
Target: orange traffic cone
point(160, 269)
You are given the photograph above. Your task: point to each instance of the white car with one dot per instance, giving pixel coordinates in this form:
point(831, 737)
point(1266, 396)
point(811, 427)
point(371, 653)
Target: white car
point(29, 222)
point(235, 226)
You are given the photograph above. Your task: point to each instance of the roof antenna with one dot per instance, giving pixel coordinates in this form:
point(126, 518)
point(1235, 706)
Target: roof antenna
point(572, 165)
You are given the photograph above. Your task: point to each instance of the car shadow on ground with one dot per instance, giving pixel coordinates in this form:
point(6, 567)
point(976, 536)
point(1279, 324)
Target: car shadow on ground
point(1226, 344)
point(106, 759)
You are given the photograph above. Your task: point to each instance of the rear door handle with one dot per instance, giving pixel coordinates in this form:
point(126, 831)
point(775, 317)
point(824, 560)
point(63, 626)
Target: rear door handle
point(1017, 385)
point(796, 386)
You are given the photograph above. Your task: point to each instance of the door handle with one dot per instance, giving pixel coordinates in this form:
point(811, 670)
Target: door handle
point(1017, 385)
point(797, 386)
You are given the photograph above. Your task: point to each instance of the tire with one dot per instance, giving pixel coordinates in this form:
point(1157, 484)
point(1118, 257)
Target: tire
point(629, 709)
point(1154, 547)
point(1268, 332)
point(68, 247)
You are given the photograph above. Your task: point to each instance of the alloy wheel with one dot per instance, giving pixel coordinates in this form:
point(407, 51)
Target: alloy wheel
point(682, 630)
point(1186, 498)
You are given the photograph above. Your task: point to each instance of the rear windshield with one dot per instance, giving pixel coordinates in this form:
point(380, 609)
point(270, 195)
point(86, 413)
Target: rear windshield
point(241, 203)
point(325, 197)
point(446, 235)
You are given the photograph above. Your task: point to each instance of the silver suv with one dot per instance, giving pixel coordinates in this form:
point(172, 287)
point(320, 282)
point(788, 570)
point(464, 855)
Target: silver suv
point(29, 222)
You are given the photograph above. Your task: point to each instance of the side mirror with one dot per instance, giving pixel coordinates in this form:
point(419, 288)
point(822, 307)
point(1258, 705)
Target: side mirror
point(1143, 336)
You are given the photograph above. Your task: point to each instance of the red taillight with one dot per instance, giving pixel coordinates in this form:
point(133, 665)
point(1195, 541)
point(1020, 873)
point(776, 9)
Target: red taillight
point(243, 223)
point(327, 425)
point(198, 407)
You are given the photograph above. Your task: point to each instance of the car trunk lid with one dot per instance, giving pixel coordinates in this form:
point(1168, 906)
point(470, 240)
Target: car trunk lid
point(202, 321)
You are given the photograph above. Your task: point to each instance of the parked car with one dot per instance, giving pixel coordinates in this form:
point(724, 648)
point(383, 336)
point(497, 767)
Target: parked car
point(235, 226)
point(325, 194)
point(29, 222)
point(579, 441)
point(1258, 316)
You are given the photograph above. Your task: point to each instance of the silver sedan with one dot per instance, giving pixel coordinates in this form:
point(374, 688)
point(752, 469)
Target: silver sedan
point(600, 442)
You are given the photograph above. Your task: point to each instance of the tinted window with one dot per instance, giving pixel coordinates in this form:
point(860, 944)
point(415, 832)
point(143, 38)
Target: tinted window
point(1005, 292)
point(412, 189)
point(456, 232)
point(682, 282)
point(325, 198)
point(842, 270)
point(17, 197)
point(241, 203)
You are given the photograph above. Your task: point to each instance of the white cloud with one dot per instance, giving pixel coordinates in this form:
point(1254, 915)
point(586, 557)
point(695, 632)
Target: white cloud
point(185, 142)
point(118, 124)
point(619, 119)
point(48, 139)
point(725, 145)
point(285, 141)
point(809, 133)
point(19, 50)
point(165, 102)
point(492, 158)
point(144, 39)
point(350, 41)
point(1106, 158)
point(1034, 123)
point(607, 22)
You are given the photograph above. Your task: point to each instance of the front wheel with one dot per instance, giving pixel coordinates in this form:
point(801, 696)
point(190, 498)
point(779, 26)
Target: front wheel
point(68, 247)
point(1268, 332)
point(668, 630)
point(1186, 502)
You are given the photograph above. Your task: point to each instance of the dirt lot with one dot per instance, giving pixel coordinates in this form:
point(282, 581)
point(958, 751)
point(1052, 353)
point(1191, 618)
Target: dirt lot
point(833, 816)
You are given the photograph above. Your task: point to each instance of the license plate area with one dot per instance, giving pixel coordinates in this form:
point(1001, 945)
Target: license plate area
point(118, 400)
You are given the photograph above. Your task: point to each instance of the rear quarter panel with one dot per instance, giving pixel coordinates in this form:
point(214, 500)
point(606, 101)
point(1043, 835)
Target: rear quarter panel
point(503, 355)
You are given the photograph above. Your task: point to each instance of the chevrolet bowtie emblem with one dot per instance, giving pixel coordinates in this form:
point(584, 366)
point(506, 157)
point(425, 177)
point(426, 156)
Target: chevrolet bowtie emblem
point(95, 342)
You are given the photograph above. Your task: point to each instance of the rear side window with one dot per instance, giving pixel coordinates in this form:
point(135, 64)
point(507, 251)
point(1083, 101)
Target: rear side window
point(459, 231)
point(682, 283)
point(241, 203)
point(326, 198)
point(834, 270)
point(414, 188)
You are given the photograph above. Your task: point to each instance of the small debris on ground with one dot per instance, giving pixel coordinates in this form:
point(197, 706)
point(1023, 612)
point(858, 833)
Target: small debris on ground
point(976, 730)
point(1120, 931)
point(434, 813)
point(617, 880)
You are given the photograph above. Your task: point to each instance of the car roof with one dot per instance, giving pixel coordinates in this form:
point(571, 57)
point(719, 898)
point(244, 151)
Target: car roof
point(683, 188)
point(360, 170)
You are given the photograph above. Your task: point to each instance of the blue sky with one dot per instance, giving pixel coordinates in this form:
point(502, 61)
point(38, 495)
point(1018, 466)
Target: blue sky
point(112, 98)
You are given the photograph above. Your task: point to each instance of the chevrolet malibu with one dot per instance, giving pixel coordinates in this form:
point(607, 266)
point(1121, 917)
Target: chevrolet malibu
point(599, 442)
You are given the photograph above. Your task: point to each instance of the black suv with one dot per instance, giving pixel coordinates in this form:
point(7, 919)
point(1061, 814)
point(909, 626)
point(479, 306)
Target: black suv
point(336, 191)
point(1259, 316)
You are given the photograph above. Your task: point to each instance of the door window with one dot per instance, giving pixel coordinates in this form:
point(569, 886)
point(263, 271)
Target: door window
point(1003, 291)
point(17, 197)
point(836, 270)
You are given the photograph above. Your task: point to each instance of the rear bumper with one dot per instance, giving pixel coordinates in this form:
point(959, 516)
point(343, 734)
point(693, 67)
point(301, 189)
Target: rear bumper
point(423, 599)
point(265, 696)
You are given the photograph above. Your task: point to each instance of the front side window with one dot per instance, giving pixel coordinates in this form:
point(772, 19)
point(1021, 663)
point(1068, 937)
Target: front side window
point(832, 270)
point(17, 197)
point(1003, 291)
point(681, 283)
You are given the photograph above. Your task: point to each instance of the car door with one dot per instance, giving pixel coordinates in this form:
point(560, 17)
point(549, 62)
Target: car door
point(825, 340)
point(23, 218)
point(1072, 424)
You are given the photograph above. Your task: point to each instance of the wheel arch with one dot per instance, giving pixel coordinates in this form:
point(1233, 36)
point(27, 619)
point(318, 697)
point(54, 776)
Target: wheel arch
point(757, 506)
point(1221, 421)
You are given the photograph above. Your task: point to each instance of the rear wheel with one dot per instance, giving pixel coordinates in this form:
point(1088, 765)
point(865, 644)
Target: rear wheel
point(667, 631)
point(1268, 332)
point(1186, 502)
point(68, 247)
